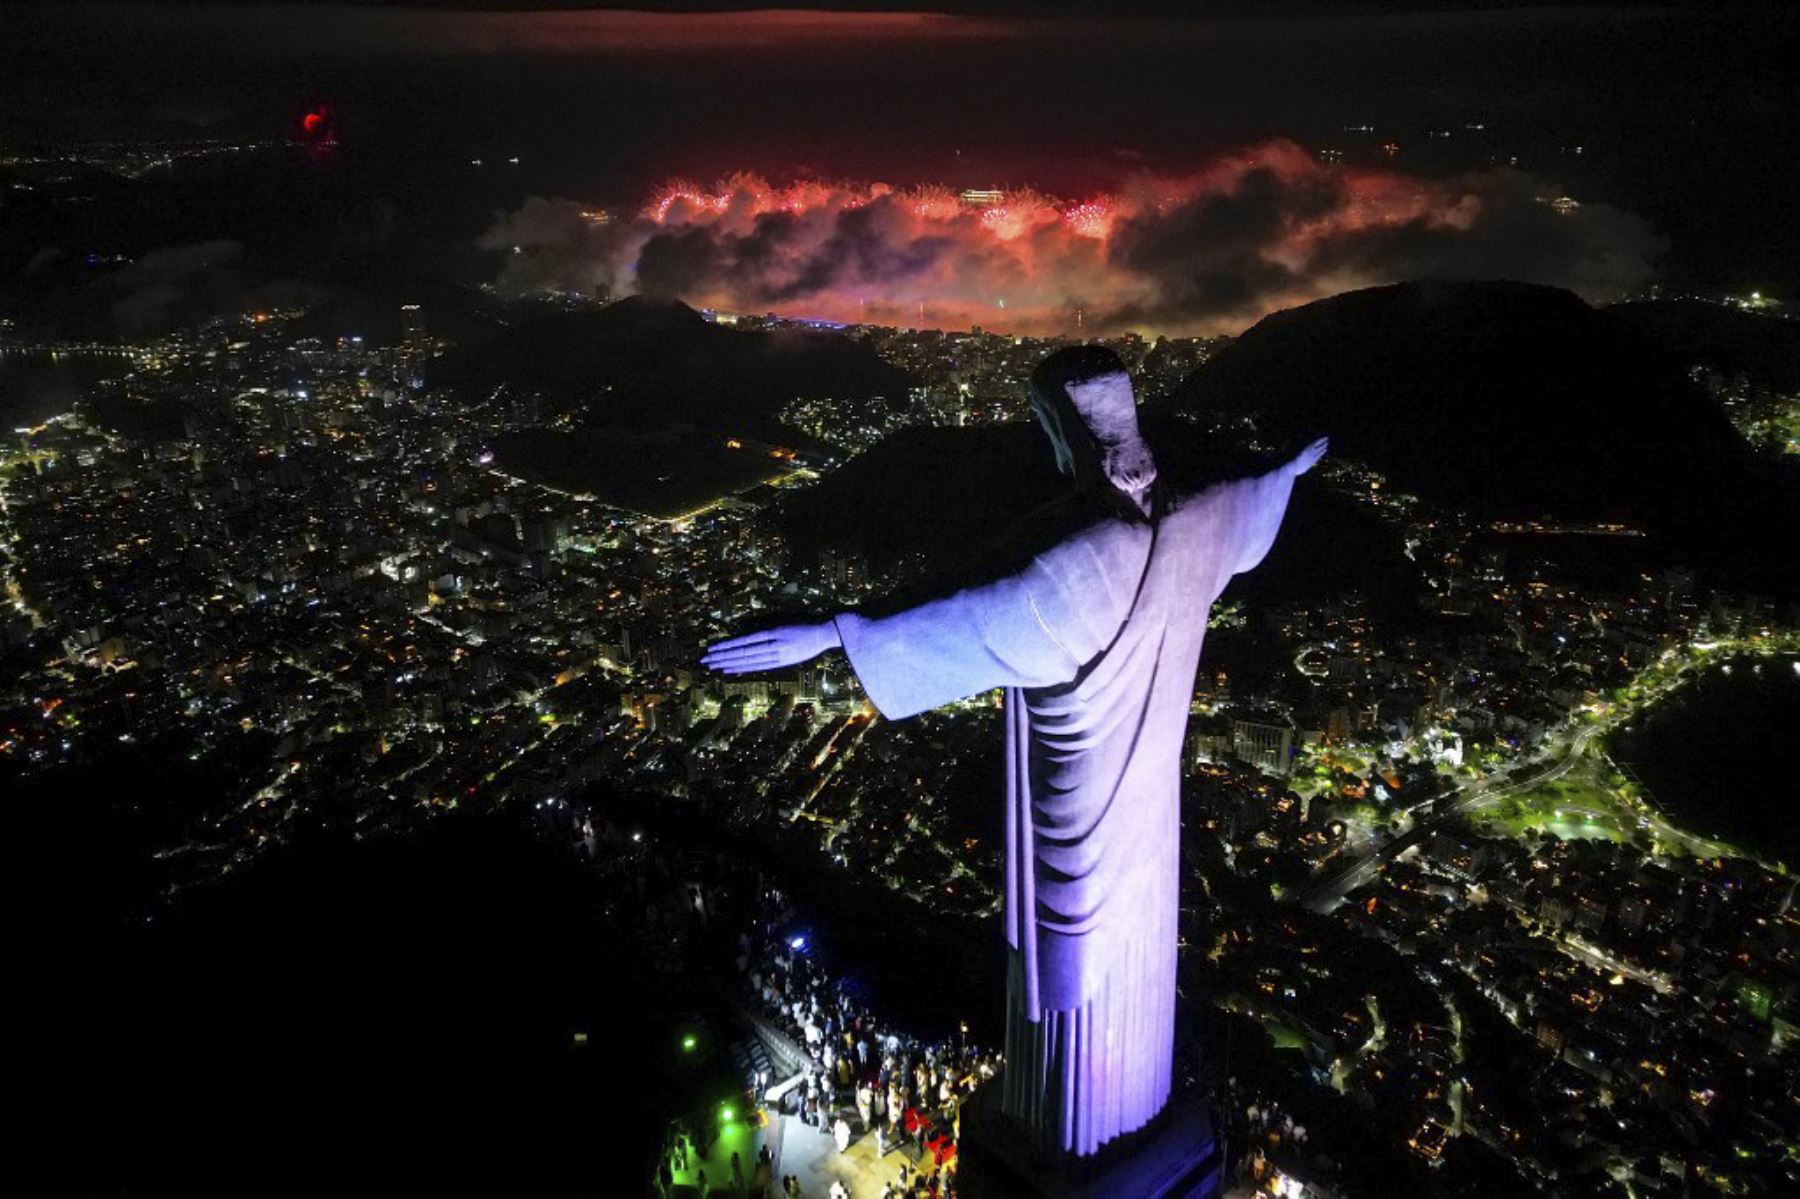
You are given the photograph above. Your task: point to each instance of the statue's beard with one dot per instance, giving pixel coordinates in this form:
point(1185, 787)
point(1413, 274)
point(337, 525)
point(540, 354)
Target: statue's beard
point(1128, 466)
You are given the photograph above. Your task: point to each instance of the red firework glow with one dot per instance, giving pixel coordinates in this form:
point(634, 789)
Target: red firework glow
point(317, 126)
point(1210, 251)
point(1017, 214)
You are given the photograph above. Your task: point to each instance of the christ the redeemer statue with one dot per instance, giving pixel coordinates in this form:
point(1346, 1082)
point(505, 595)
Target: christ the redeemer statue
point(1096, 640)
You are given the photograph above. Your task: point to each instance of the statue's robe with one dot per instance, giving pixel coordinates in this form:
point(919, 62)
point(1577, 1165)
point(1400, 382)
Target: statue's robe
point(1096, 640)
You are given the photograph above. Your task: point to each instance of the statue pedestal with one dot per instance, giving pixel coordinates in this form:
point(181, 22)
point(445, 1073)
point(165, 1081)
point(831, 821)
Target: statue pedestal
point(1175, 1156)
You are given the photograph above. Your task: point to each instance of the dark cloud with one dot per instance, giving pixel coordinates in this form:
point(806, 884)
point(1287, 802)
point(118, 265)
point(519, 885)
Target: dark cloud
point(44, 258)
point(1212, 251)
point(678, 263)
point(164, 285)
point(175, 285)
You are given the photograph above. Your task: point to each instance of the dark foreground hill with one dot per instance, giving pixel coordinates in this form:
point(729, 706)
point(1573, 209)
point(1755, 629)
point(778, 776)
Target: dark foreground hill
point(404, 1010)
point(1511, 400)
point(649, 363)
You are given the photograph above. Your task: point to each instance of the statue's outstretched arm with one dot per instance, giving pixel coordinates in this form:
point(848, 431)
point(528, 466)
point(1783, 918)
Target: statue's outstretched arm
point(1033, 628)
point(1261, 502)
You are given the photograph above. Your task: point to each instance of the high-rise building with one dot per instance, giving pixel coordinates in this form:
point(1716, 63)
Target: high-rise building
point(1268, 747)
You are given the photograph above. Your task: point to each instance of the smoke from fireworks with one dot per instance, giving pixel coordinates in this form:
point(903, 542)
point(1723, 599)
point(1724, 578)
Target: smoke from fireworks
point(1207, 252)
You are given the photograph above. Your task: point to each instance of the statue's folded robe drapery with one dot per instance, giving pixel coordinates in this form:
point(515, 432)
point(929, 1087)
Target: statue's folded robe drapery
point(1096, 638)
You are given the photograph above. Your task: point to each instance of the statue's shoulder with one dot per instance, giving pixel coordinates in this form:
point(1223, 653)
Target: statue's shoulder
point(1210, 502)
point(1103, 515)
point(1210, 492)
point(1077, 524)
point(1195, 473)
point(1207, 493)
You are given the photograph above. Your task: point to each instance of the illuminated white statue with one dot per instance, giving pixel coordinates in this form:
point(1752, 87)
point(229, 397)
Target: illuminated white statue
point(1096, 639)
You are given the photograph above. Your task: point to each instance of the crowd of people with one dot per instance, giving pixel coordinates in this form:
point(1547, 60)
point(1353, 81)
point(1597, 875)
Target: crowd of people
point(1274, 1158)
point(860, 1077)
point(864, 1078)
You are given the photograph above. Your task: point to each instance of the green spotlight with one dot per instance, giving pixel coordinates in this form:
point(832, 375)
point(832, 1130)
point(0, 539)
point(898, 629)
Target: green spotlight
point(688, 1042)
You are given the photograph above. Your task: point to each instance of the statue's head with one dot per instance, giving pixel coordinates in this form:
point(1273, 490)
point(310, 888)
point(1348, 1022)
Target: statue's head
point(1082, 396)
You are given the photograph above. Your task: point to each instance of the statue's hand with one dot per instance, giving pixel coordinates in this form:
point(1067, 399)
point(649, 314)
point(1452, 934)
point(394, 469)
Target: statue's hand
point(788, 645)
point(1309, 457)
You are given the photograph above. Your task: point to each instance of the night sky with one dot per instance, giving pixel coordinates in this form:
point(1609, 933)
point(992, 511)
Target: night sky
point(1686, 118)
